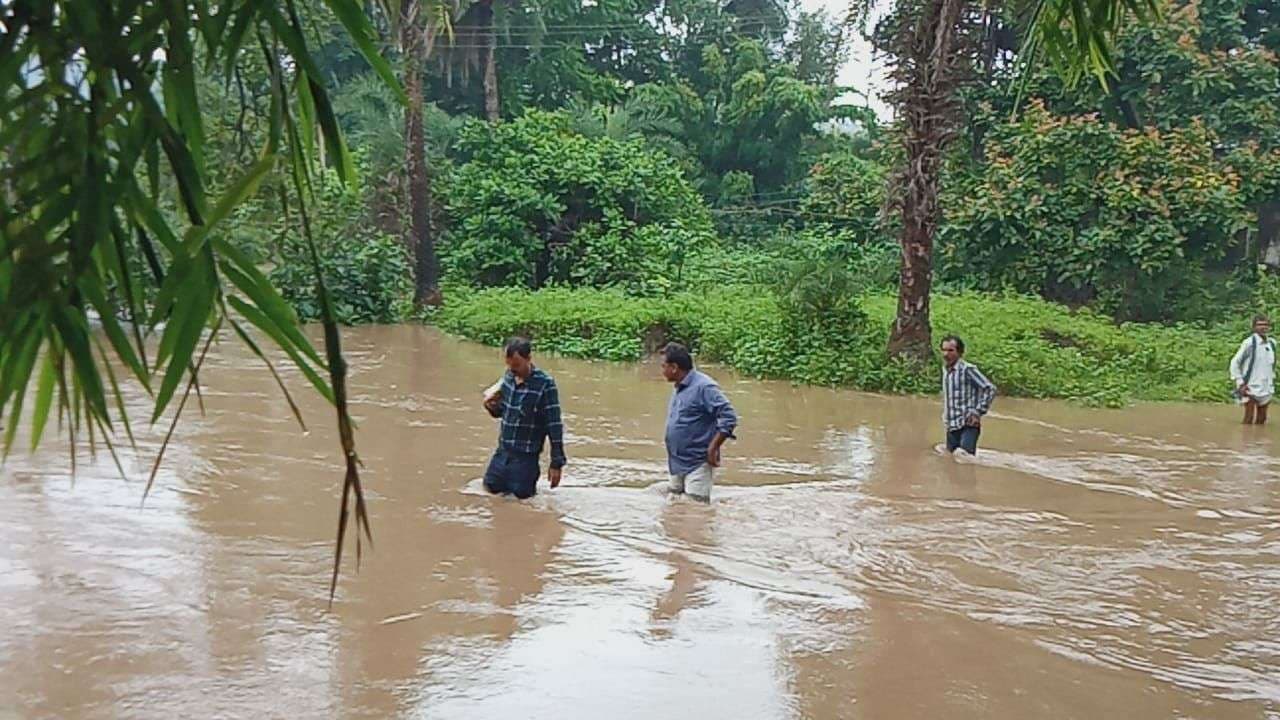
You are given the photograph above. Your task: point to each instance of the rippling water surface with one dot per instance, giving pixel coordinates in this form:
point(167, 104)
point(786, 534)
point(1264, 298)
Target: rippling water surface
point(1091, 564)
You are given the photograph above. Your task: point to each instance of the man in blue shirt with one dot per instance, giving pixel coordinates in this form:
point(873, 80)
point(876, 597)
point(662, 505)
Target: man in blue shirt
point(528, 404)
point(699, 420)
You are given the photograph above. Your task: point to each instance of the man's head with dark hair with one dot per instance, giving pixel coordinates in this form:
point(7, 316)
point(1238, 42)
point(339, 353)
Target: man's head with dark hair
point(952, 349)
point(1261, 324)
point(518, 351)
point(676, 362)
point(518, 346)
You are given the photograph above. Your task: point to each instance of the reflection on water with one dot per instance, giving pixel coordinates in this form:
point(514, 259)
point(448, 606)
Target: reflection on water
point(1089, 564)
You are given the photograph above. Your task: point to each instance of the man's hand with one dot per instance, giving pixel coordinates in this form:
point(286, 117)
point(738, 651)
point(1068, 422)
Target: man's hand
point(713, 456)
point(491, 404)
point(1244, 390)
point(553, 476)
point(974, 420)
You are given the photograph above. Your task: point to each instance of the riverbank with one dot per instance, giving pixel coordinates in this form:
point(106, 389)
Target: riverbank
point(1031, 348)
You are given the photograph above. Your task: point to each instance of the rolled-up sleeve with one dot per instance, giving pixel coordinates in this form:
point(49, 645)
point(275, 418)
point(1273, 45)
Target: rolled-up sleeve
point(719, 407)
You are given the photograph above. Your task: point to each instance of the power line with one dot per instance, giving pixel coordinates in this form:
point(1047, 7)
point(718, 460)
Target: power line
point(638, 42)
point(803, 214)
point(619, 25)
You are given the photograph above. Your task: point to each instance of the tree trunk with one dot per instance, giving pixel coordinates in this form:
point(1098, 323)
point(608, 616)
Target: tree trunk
point(418, 181)
point(491, 106)
point(1128, 111)
point(1269, 233)
point(928, 103)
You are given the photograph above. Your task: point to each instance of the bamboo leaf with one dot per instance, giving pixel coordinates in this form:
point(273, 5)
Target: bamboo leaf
point(253, 346)
point(195, 369)
point(44, 398)
point(74, 333)
point(290, 33)
point(239, 191)
point(213, 26)
point(182, 334)
point(235, 40)
point(180, 79)
point(118, 396)
point(90, 285)
point(185, 170)
point(17, 376)
point(260, 321)
point(144, 211)
point(248, 279)
point(120, 270)
point(357, 24)
point(179, 269)
point(307, 112)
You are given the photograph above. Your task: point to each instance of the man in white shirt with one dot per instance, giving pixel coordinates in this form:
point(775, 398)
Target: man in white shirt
point(1254, 371)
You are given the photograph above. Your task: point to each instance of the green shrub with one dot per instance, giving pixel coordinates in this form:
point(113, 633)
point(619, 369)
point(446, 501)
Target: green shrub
point(1120, 222)
point(712, 265)
point(534, 202)
point(1029, 347)
point(847, 191)
point(369, 274)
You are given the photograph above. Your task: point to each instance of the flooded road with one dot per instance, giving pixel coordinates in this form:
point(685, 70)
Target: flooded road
point(1092, 564)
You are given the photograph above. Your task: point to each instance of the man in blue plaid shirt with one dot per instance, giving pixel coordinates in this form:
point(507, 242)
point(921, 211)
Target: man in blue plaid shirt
point(529, 406)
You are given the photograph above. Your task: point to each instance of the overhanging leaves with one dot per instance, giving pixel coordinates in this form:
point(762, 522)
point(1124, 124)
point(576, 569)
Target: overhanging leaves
point(103, 144)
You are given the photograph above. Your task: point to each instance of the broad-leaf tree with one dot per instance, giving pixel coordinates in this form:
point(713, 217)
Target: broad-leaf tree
point(933, 48)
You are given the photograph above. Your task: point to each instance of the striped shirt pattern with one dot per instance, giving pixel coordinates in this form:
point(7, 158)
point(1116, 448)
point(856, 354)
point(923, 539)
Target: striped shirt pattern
point(965, 392)
point(530, 415)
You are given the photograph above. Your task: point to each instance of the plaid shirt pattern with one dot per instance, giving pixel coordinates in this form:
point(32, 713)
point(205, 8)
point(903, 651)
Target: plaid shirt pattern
point(531, 414)
point(965, 392)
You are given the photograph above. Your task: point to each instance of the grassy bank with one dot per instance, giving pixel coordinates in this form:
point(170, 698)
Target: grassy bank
point(1029, 347)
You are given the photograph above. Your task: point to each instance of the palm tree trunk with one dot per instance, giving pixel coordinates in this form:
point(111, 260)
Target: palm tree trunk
point(928, 103)
point(491, 105)
point(418, 239)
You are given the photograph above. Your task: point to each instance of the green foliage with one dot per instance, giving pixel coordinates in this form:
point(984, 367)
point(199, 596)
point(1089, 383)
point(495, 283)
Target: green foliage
point(373, 121)
point(762, 262)
point(534, 202)
point(107, 153)
point(104, 152)
point(369, 274)
point(1196, 87)
point(1028, 347)
point(847, 191)
point(1122, 220)
point(746, 113)
point(1266, 294)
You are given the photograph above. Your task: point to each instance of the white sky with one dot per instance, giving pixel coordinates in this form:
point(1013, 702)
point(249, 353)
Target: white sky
point(861, 71)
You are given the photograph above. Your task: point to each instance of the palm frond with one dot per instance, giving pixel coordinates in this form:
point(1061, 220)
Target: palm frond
point(1077, 36)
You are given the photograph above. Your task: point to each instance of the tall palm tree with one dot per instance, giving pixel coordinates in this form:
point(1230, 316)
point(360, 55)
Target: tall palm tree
point(474, 46)
point(416, 26)
point(492, 108)
point(930, 42)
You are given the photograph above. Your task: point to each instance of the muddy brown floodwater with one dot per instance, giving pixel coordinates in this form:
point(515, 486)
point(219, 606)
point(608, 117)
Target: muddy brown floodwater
point(1093, 564)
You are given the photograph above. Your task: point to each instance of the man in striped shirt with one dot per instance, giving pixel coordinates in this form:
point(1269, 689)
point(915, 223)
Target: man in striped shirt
point(528, 404)
point(966, 396)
